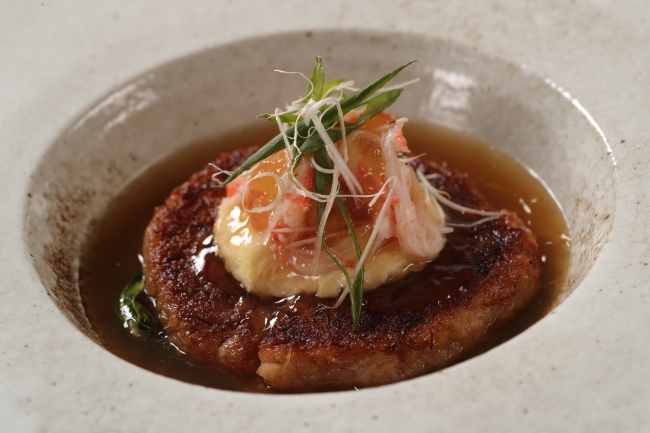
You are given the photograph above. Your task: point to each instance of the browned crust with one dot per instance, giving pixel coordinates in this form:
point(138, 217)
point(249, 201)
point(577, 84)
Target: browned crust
point(199, 314)
point(214, 321)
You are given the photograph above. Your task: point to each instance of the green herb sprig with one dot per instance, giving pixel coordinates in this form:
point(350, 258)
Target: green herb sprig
point(329, 117)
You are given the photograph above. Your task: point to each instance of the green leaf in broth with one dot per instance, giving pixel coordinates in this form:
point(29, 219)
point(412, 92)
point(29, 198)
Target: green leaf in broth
point(135, 316)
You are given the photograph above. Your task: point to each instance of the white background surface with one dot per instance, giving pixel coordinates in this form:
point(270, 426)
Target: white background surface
point(586, 367)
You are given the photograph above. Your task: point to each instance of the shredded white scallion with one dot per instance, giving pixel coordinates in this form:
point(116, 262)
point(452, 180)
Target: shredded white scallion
point(367, 135)
point(220, 171)
point(321, 169)
point(337, 160)
point(411, 158)
point(278, 197)
point(476, 223)
point(378, 223)
point(321, 226)
point(341, 298)
point(440, 197)
point(275, 217)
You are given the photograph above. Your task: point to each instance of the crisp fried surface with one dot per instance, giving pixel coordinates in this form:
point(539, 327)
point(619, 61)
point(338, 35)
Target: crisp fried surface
point(485, 274)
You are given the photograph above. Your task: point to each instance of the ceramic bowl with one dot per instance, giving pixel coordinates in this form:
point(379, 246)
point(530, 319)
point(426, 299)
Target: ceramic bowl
point(560, 87)
point(220, 90)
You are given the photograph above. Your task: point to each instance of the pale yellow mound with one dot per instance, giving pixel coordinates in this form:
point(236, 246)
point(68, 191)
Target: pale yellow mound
point(256, 267)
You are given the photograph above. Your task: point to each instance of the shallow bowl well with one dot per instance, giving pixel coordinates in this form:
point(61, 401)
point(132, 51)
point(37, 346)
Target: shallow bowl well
point(216, 91)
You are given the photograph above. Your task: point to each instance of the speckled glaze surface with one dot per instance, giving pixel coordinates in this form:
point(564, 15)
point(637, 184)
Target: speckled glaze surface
point(82, 84)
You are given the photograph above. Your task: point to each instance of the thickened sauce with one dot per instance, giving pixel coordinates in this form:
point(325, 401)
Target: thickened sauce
point(110, 258)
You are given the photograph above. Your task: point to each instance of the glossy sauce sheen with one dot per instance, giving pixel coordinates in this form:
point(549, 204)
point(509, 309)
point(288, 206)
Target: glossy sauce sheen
point(110, 255)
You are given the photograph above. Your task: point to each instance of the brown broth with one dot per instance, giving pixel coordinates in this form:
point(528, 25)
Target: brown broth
point(506, 184)
point(110, 255)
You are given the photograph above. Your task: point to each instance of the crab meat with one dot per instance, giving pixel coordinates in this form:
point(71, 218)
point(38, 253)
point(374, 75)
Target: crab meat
point(274, 252)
